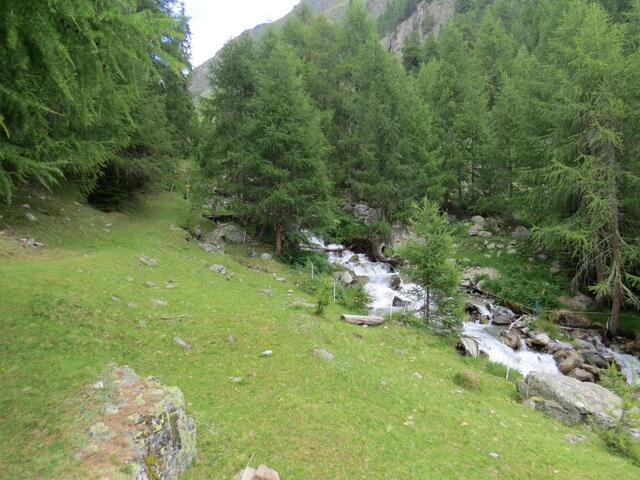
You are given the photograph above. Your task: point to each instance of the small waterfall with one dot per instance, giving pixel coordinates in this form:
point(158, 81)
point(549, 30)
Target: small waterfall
point(381, 278)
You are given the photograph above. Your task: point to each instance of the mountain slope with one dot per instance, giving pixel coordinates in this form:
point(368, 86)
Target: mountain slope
point(429, 15)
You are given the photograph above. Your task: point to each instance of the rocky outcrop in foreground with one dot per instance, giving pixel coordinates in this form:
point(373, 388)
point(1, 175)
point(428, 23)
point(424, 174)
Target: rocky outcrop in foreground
point(571, 401)
point(142, 432)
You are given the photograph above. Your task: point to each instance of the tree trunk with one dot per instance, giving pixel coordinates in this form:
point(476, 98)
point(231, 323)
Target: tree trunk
point(616, 245)
point(427, 307)
point(278, 239)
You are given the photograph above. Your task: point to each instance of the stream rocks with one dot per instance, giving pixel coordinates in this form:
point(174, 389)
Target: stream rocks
point(363, 212)
point(143, 429)
point(569, 400)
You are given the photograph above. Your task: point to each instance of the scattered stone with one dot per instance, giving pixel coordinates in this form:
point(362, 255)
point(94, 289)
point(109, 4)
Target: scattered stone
point(469, 346)
point(474, 230)
point(364, 320)
point(363, 212)
point(355, 259)
point(512, 339)
point(555, 346)
point(159, 302)
point(266, 256)
point(494, 455)
point(542, 256)
point(132, 305)
point(236, 379)
point(266, 353)
point(181, 342)
point(226, 232)
point(395, 282)
point(230, 339)
point(539, 339)
point(144, 426)
point(344, 277)
point(575, 438)
point(149, 262)
point(262, 473)
point(417, 375)
point(25, 205)
point(491, 246)
point(478, 220)
point(521, 232)
point(212, 248)
point(115, 298)
point(582, 375)
point(150, 284)
point(30, 216)
point(324, 354)
point(512, 251)
point(571, 400)
point(400, 303)
point(221, 269)
point(98, 385)
point(502, 319)
point(555, 267)
point(485, 234)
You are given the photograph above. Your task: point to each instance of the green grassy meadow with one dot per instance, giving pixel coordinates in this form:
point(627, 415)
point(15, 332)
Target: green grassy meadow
point(387, 407)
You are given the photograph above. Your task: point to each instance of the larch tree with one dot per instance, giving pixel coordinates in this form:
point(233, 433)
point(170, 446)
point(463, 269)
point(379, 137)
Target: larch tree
point(592, 165)
point(285, 185)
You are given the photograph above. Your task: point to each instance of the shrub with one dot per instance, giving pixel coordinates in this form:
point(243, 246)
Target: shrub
point(468, 379)
point(355, 297)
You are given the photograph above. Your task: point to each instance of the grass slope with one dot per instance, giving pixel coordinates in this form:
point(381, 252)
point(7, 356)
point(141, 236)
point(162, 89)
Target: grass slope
point(365, 415)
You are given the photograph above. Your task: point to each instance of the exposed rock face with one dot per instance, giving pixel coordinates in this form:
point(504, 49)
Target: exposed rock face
point(429, 17)
point(144, 428)
point(469, 346)
point(363, 212)
point(571, 400)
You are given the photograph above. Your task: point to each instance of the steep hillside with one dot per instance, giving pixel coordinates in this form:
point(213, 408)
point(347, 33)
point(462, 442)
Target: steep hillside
point(428, 16)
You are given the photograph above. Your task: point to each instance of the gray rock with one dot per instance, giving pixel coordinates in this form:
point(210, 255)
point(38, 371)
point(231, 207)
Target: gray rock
point(159, 302)
point(478, 220)
point(221, 269)
point(149, 262)
point(512, 339)
point(555, 346)
point(181, 342)
point(469, 346)
point(571, 400)
point(363, 212)
point(582, 375)
point(485, 234)
point(567, 318)
point(502, 319)
point(30, 216)
point(592, 358)
point(521, 232)
point(575, 438)
point(539, 339)
point(324, 354)
point(344, 277)
point(512, 251)
point(567, 360)
point(262, 473)
point(150, 284)
point(474, 230)
point(399, 302)
point(148, 429)
point(228, 233)
point(267, 353)
point(266, 256)
point(395, 282)
point(212, 248)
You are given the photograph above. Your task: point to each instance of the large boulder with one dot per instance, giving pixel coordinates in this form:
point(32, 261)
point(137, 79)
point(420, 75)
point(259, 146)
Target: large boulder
point(226, 232)
point(567, 360)
point(521, 232)
point(344, 277)
point(570, 319)
point(478, 220)
point(141, 427)
point(571, 400)
point(469, 346)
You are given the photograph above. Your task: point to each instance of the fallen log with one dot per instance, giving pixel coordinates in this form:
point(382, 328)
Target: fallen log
point(362, 319)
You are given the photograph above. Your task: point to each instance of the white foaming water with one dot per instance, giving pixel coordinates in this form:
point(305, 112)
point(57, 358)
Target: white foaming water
point(629, 365)
point(524, 360)
point(379, 278)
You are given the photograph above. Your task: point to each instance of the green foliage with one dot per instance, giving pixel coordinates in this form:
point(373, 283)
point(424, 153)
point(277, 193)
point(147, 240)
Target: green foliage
point(74, 85)
point(429, 257)
point(619, 438)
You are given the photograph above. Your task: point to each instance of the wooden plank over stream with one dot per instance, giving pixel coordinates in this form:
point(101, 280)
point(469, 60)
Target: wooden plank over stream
point(362, 319)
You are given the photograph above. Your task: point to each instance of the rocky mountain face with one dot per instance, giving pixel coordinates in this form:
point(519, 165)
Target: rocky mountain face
point(429, 16)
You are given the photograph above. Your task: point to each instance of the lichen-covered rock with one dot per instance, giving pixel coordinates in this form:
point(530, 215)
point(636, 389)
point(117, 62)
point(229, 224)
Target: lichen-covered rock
point(143, 433)
point(226, 232)
point(571, 400)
